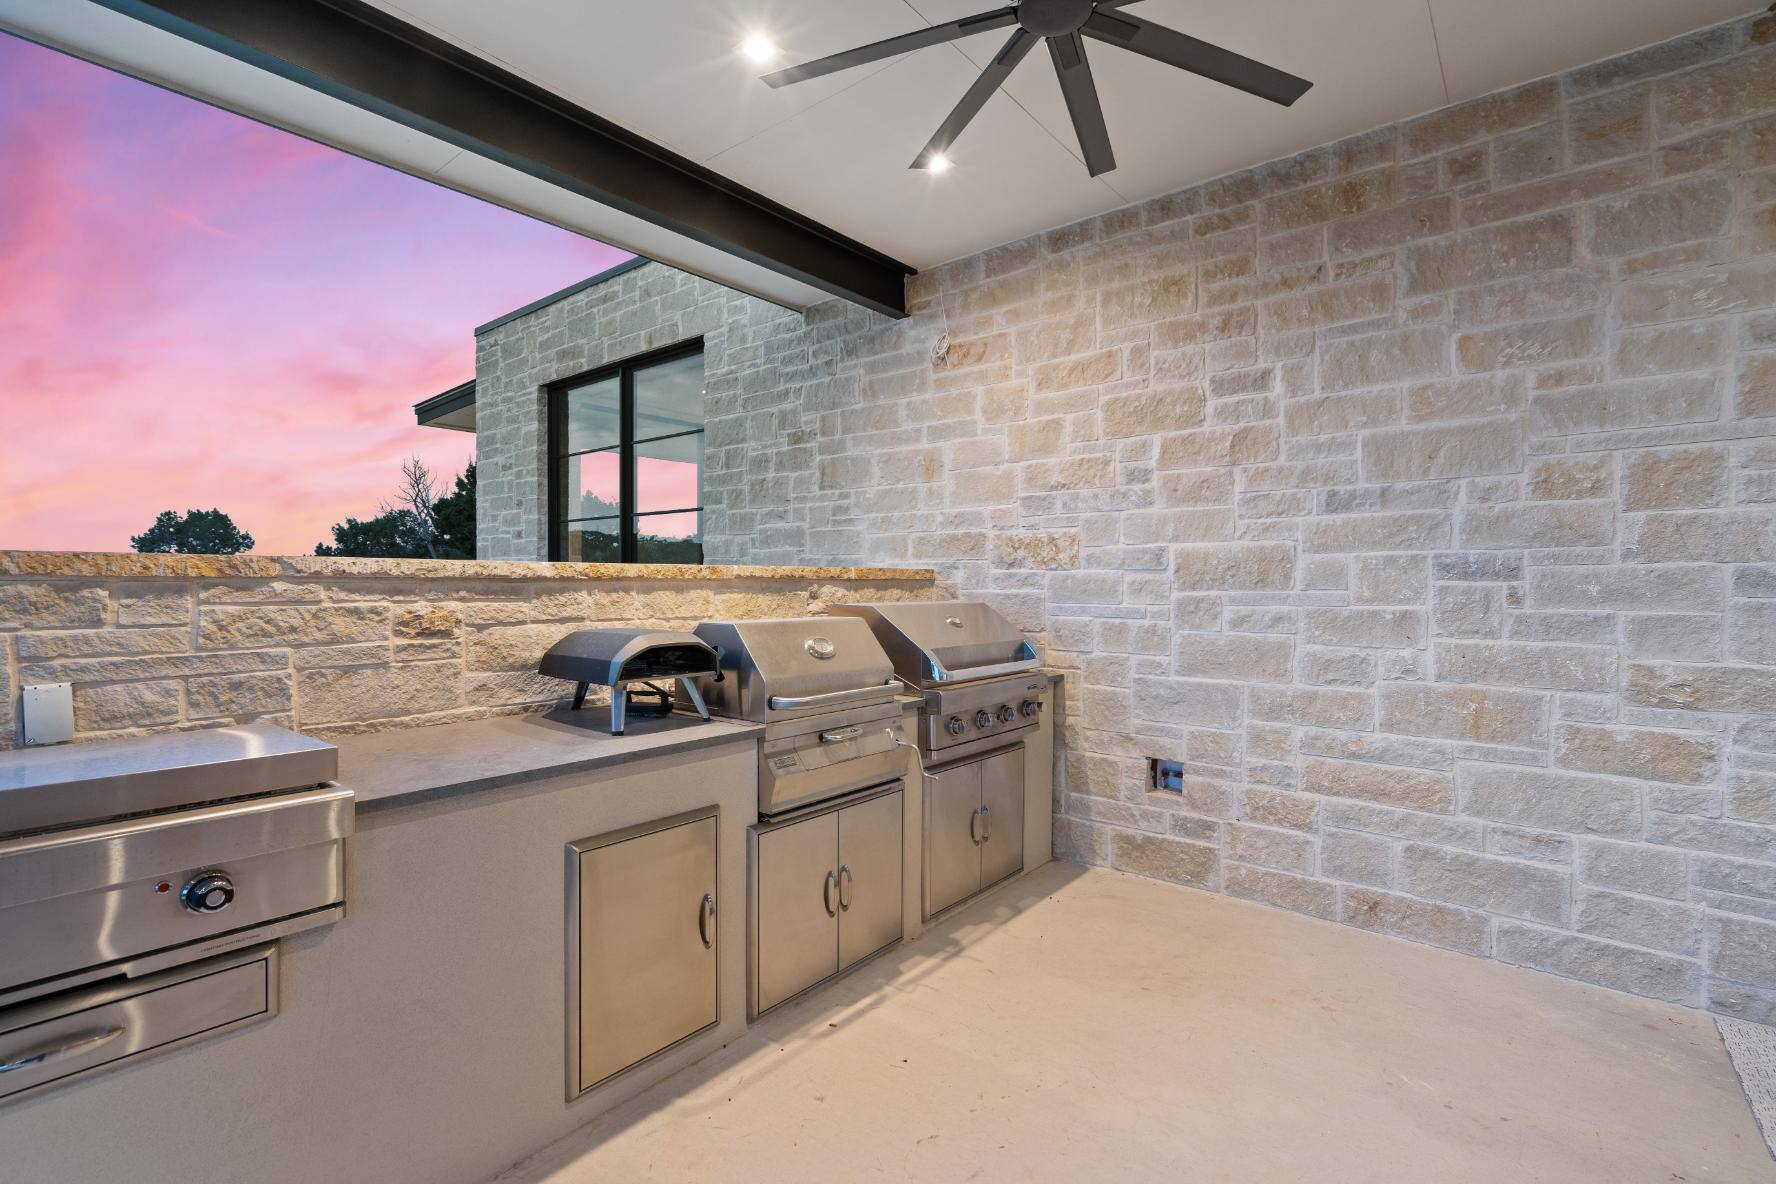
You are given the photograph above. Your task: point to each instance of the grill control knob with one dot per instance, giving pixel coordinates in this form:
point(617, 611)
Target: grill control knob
point(953, 725)
point(1006, 714)
point(1030, 707)
point(982, 720)
point(208, 892)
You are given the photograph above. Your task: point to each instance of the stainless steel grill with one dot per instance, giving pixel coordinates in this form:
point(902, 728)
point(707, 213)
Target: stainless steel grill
point(129, 856)
point(824, 690)
point(978, 675)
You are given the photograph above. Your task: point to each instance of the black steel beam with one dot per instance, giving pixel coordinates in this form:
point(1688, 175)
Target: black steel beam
point(358, 53)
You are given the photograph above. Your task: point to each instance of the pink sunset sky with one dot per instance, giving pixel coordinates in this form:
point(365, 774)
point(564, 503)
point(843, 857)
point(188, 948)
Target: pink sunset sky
point(197, 310)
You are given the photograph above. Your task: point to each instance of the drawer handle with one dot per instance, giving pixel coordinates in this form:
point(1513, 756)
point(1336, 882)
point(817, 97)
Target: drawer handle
point(705, 918)
point(844, 887)
point(68, 1048)
point(832, 882)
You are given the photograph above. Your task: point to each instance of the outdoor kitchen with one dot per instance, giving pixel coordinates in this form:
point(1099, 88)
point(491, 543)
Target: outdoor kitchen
point(1224, 632)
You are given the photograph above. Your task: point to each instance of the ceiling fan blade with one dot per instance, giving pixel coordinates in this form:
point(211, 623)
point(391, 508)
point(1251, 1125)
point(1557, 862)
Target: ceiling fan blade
point(1199, 57)
point(1081, 94)
point(894, 46)
point(991, 79)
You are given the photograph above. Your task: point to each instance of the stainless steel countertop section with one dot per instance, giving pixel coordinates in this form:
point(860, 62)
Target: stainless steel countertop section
point(389, 767)
point(72, 783)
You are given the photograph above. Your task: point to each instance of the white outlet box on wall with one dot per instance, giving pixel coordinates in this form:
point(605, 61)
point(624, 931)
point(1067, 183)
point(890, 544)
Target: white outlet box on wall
point(46, 713)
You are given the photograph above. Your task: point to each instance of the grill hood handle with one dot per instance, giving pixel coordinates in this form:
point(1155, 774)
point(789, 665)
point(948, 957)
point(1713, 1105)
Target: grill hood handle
point(830, 699)
point(944, 674)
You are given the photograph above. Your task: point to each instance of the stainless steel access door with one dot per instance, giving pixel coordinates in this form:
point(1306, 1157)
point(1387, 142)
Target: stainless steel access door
point(869, 877)
point(645, 938)
point(796, 917)
point(952, 824)
point(974, 826)
point(1002, 815)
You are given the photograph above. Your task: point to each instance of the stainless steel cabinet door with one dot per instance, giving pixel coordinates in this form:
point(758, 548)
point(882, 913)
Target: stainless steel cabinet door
point(1002, 818)
point(647, 945)
point(869, 877)
point(798, 908)
point(952, 850)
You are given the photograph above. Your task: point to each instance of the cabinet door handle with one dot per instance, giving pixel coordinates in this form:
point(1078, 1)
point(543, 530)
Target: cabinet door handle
point(844, 886)
point(986, 824)
point(832, 882)
point(73, 1046)
point(706, 919)
point(974, 835)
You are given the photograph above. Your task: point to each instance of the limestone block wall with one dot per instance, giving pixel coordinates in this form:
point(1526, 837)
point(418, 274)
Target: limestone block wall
point(156, 643)
point(1417, 491)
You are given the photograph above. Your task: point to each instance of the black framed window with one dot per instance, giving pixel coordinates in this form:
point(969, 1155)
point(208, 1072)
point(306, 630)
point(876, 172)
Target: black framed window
point(626, 462)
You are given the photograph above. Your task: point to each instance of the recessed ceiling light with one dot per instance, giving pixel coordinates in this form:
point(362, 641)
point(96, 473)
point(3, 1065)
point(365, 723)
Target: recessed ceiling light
point(939, 163)
point(758, 48)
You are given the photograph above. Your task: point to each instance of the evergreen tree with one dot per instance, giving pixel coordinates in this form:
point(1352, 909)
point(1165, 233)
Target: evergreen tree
point(196, 532)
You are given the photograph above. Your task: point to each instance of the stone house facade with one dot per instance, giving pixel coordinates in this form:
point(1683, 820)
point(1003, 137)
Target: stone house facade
point(1417, 491)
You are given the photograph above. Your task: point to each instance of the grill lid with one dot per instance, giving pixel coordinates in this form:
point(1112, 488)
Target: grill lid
point(49, 788)
point(943, 641)
point(794, 666)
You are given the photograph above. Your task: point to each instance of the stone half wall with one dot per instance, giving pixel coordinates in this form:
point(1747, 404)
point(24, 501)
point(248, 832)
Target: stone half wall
point(158, 643)
point(1418, 491)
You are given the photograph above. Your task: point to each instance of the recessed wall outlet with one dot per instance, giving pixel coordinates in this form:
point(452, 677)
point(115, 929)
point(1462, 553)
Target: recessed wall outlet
point(46, 713)
point(1167, 775)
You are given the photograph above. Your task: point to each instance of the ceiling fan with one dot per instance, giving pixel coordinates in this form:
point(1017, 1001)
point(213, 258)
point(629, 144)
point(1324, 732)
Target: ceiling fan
point(1064, 24)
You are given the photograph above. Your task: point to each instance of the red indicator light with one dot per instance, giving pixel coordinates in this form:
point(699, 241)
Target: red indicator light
point(163, 886)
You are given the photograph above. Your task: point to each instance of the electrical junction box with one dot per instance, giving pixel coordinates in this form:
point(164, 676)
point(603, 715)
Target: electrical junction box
point(1167, 775)
point(46, 713)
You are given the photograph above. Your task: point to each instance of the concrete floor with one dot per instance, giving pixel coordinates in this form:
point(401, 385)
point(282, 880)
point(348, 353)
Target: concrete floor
point(1084, 1025)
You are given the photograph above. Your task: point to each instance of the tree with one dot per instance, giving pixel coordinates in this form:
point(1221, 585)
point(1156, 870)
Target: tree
point(418, 524)
point(196, 532)
point(454, 516)
point(393, 534)
point(415, 498)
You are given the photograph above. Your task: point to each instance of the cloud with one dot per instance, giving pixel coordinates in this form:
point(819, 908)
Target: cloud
point(197, 310)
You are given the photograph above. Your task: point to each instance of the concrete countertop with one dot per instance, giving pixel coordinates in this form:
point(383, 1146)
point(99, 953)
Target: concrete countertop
point(512, 749)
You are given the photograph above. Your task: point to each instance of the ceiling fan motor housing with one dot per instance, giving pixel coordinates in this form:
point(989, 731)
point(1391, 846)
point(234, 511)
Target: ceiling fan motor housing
point(1053, 18)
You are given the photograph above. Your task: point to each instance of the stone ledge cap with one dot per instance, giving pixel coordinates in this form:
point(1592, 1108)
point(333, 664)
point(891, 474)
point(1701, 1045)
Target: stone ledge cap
point(129, 565)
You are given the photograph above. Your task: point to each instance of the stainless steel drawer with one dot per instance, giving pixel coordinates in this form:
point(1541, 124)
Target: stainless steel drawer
point(53, 1040)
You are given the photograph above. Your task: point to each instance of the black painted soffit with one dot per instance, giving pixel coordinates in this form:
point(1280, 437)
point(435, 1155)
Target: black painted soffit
point(360, 54)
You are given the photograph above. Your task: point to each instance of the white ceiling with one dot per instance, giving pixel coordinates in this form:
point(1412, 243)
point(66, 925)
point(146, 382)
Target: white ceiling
point(837, 148)
point(114, 40)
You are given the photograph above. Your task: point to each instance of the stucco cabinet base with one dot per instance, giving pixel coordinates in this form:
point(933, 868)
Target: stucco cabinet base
point(421, 1038)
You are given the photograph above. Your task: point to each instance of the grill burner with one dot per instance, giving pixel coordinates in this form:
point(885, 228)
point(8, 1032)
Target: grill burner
point(977, 674)
point(120, 857)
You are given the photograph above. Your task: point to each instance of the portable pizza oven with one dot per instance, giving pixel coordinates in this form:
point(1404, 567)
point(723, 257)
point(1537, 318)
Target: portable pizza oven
point(618, 658)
